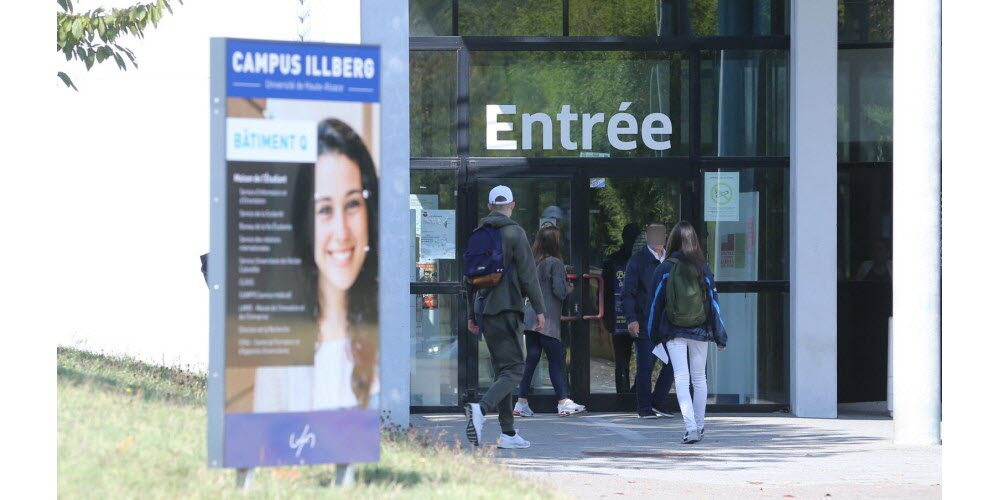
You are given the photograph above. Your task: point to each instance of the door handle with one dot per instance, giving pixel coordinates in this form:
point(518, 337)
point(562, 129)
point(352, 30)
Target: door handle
point(600, 298)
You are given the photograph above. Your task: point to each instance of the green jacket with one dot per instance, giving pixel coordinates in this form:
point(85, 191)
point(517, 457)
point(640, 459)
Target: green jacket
point(519, 278)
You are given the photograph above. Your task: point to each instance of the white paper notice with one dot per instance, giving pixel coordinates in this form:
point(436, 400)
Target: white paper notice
point(437, 235)
point(661, 353)
point(722, 201)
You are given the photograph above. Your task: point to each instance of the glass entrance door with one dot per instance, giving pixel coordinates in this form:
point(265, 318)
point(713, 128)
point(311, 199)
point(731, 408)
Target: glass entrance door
point(538, 201)
point(619, 208)
point(592, 214)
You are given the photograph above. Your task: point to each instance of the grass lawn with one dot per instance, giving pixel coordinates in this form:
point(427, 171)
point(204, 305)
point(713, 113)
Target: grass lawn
point(128, 429)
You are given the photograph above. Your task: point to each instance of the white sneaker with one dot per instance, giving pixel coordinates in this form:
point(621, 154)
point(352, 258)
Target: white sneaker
point(568, 408)
point(523, 410)
point(512, 442)
point(474, 424)
point(691, 437)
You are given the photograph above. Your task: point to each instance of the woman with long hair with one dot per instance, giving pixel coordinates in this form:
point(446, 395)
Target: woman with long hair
point(555, 289)
point(685, 313)
point(335, 227)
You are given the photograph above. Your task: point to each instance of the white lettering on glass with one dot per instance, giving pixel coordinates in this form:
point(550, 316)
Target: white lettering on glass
point(622, 129)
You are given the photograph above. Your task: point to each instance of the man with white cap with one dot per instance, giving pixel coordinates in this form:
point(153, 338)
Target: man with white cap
point(501, 315)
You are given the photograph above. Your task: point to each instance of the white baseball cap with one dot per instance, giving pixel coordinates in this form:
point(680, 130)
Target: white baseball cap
point(501, 195)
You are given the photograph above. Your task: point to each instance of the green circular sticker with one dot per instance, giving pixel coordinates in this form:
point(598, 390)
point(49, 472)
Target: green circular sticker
point(722, 193)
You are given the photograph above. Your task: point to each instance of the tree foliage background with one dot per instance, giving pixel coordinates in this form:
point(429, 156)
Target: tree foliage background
point(94, 36)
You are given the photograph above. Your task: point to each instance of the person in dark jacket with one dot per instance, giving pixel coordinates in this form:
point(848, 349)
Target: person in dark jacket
point(502, 311)
point(687, 347)
point(613, 272)
point(636, 295)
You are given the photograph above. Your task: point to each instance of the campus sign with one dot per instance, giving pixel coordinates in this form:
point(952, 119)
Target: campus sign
point(293, 266)
point(624, 129)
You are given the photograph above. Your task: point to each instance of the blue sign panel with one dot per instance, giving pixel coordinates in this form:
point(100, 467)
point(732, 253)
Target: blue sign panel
point(295, 70)
point(294, 308)
point(296, 438)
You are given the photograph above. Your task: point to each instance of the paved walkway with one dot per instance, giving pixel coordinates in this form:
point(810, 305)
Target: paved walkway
point(612, 455)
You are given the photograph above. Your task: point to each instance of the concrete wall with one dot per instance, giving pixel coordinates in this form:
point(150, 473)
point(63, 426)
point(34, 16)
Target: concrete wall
point(813, 208)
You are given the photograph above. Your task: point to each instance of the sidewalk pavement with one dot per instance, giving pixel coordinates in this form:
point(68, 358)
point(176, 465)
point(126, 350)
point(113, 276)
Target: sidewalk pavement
point(614, 455)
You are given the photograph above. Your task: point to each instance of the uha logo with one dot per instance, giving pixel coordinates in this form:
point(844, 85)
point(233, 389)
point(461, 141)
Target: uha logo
point(297, 443)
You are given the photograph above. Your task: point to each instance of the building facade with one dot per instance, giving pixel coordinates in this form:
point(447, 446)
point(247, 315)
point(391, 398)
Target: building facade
point(605, 116)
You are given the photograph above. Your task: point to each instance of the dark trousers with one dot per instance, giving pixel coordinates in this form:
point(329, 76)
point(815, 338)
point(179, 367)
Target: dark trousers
point(535, 343)
point(501, 333)
point(646, 396)
point(622, 344)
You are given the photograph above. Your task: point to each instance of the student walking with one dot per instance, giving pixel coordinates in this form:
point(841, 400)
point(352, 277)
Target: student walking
point(685, 311)
point(501, 271)
point(637, 293)
point(555, 289)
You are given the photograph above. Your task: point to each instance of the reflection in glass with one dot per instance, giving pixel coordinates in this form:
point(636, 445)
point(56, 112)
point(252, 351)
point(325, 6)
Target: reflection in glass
point(433, 351)
point(738, 17)
point(510, 17)
point(430, 17)
point(432, 103)
point(620, 18)
point(744, 103)
point(588, 82)
point(864, 105)
point(432, 226)
point(865, 20)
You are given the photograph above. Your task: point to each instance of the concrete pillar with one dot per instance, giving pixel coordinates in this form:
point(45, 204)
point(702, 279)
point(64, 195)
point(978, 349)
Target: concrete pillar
point(813, 208)
point(916, 233)
point(386, 23)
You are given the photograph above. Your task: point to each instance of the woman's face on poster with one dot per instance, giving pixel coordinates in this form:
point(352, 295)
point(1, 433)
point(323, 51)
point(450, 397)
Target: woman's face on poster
point(341, 217)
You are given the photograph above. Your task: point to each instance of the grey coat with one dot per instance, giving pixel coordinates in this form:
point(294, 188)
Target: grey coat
point(552, 280)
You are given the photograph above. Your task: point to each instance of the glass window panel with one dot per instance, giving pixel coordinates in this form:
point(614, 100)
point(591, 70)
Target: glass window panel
point(432, 103)
point(432, 224)
point(430, 17)
point(537, 201)
point(754, 367)
point(756, 246)
point(744, 103)
point(621, 18)
point(864, 290)
point(738, 17)
point(864, 105)
point(864, 222)
point(433, 350)
point(588, 82)
point(865, 20)
point(510, 17)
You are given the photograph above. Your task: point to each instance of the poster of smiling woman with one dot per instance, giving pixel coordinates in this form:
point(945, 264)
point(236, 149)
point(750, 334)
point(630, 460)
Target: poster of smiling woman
point(294, 276)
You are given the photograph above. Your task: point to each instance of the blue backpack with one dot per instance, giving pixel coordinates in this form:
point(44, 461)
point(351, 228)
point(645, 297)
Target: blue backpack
point(484, 257)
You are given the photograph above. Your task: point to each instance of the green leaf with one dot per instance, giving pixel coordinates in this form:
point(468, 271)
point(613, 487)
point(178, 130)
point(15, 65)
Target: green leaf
point(77, 29)
point(120, 62)
point(66, 80)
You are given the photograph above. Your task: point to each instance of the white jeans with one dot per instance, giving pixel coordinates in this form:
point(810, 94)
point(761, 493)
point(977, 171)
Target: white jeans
point(679, 349)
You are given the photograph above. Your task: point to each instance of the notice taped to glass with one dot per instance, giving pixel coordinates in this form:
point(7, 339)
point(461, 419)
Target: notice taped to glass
point(297, 240)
